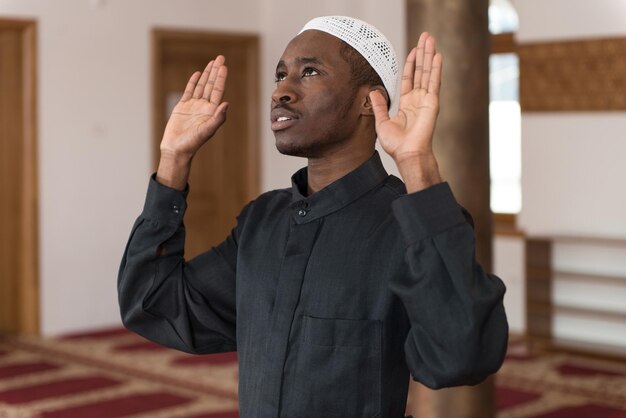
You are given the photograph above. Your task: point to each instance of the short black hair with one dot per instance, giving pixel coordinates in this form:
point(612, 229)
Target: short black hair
point(362, 72)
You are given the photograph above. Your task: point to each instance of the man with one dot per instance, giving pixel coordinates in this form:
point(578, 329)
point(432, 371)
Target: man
point(334, 290)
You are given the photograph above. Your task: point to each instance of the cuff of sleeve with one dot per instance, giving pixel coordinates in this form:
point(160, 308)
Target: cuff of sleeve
point(164, 203)
point(427, 212)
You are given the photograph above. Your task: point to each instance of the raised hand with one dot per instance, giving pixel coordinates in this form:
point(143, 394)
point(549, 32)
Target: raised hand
point(408, 136)
point(199, 113)
point(194, 120)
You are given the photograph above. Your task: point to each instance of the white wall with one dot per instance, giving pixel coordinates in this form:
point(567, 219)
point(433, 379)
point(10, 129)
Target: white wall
point(572, 162)
point(94, 139)
point(509, 254)
point(94, 132)
point(551, 20)
point(94, 126)
point(573, 172)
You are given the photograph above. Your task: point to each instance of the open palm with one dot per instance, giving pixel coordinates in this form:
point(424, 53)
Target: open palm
point(199, 113)
point(410, 133)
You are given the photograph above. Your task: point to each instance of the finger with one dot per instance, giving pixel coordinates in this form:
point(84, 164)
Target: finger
point(379, 106)
point(197, 92)
point(219, 62)
point(434, 84)
point(218, 88)
point(407, 73)
point(429, 53)
point(419, 60)
point(191, 85)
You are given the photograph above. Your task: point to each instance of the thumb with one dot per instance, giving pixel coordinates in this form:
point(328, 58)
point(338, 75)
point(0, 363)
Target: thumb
point(379, 106)
point(219, 117)
point(220, 113)
point(208, 128)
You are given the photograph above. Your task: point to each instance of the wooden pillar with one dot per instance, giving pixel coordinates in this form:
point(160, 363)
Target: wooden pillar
point(462, 149)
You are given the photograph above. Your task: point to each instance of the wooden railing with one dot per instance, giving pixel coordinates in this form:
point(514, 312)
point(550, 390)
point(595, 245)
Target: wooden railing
point(541, 308)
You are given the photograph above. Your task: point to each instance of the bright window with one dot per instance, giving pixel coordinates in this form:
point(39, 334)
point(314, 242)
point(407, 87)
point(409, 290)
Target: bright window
point(504, 115)
point(502, 17)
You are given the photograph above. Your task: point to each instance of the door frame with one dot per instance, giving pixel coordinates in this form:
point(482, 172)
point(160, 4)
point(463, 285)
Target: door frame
point(27, 285)
point(251, 44)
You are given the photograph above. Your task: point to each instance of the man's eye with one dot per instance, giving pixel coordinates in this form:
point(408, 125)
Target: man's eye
point(309, 72)
point(279, 77)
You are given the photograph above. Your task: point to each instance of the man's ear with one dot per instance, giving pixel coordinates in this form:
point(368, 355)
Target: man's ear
point(367, 108)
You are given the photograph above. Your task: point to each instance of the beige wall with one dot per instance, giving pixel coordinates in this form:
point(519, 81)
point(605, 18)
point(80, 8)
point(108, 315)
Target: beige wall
point(572, 164)
point(572, 178)
point(94, 126)
point(549, 20)
point(94, 138)
point(94, 133)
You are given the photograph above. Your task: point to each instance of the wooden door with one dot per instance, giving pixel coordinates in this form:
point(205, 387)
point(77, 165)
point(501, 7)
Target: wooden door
point(19, 293)
point(224, 172)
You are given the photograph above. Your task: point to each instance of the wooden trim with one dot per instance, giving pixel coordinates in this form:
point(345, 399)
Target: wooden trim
point(539, 309)
point(600, 314)
point(505, 219)
point(172, 33)
point(584, 240)
point(28, 282)
point(253, 147)
point(30, 263)
point(592, 278)
point(594, 350)
point(539, 272)
point(156, 94)
point(503, 43)
point(16, 23)
point(506, 224)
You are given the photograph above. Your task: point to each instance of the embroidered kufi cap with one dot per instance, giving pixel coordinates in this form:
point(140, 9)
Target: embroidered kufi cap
point(367, 41)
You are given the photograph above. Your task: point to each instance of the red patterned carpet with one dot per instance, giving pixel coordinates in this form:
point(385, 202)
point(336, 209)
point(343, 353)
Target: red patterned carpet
point(112, 374)
point(115, 373)
point(553, 385)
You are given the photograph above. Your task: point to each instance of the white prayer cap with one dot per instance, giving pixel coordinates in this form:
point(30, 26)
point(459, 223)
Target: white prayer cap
point(367, 41)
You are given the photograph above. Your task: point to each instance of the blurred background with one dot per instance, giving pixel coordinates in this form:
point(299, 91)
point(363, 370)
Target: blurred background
point(86, 87)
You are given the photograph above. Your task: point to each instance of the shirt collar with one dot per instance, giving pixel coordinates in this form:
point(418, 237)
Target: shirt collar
point(337, 194)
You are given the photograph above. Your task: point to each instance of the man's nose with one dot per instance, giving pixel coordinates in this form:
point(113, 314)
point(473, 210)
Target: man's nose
point(284, 93)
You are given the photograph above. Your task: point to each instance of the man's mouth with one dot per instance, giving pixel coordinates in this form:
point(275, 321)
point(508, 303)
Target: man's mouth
point(282, 119)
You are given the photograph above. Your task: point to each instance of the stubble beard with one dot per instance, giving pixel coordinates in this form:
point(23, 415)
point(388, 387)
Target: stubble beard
point(316, 144)
point(308, 147)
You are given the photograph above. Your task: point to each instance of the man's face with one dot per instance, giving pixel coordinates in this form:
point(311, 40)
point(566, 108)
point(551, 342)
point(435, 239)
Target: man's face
point(313, 106)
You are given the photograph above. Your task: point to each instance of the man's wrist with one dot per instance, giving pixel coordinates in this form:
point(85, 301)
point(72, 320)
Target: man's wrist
point(173, 170)
point(419, 172)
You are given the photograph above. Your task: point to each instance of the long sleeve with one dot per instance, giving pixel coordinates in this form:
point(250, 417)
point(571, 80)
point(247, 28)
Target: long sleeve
point(459, 331)
point(189, 306)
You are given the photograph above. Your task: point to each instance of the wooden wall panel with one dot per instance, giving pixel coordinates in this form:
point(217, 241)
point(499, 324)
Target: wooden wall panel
point(224, 175)
point(11, 157)
point(587, 75)
point(19, 287)
point(539, 289)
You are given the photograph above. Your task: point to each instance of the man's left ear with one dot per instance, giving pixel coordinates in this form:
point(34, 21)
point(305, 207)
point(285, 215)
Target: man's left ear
point(367, 108)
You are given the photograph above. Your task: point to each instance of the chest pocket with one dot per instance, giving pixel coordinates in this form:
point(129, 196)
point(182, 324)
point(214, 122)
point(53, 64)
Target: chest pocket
point(338, 368)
